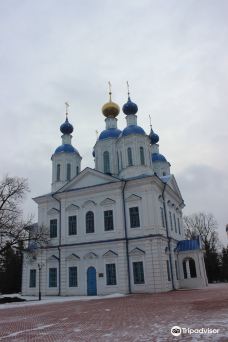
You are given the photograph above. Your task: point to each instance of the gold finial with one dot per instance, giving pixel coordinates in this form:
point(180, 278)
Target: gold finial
point(150, 122)
point(128, 89)
point(67, 106)
point(110, 91)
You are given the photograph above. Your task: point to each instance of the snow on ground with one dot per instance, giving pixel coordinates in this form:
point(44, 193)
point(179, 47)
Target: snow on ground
point(33, 300)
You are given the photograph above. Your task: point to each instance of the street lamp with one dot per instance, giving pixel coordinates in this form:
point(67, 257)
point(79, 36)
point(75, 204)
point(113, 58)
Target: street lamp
point(39, 268)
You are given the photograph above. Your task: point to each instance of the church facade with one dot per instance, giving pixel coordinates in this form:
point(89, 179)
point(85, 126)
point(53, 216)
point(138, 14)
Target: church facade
point(116, 228)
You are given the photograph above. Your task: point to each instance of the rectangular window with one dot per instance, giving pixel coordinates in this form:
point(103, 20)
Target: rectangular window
point(138, 272)
point(73, 277)
point(134, 217)
point(32, 279)
point(53, 277)
point(111, 274)
point(171, 221)
point(53, 228)
point(168, 270)
point(108, 220)
point(178, 223)
point(72, 225)
point(162, 217)
point(175, 223)
point(68, 172)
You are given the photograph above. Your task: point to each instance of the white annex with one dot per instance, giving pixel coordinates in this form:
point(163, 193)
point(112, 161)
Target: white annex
point(116, 228)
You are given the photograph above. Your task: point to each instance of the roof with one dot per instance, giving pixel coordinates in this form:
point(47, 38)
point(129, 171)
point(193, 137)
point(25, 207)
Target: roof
point(110, 133)
point(188, 245)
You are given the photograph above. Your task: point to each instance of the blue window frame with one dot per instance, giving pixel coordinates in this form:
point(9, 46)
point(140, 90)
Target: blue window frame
point(129, 156)
point(111, 274)
point(89, 222)
point(142, 157)
point(106, 162)
point(32, 278)
point(138, 272)
point(108, 220)
point(53, 228)
point(72, 225)
point(73, 276)
point(52, 277)
point(134, 217)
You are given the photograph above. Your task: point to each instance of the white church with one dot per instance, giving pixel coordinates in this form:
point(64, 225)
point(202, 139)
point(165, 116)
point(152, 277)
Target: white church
point(116, 228)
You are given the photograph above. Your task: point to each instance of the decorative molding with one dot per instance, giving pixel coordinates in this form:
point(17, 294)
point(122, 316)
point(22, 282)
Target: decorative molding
point(133, 198)
point(136, 252)
point(72, 257)
point(72, 207)
point(107, 201)
point(110, 254)
point(53, 258)
point(52, 211)
point(91, 255)
point(88, 203)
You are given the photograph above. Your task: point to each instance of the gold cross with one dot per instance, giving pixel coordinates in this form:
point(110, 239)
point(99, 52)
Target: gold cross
point(110, 91)
point(128, 89)
point(150, 121)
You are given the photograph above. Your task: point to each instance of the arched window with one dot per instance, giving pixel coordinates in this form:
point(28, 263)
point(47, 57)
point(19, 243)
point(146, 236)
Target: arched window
point(142, 158)
point(106, 162)
point(68, 172)
point(58, 172)
point(118, 162)
point(129, 156)
point(189, 268)
point(77, 170)
point(89, 222)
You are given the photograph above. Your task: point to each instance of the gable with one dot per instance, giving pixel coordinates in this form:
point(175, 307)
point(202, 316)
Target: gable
point(72, 207)
point(110, 254)
point(72, 257)
point(136, 252)
point(107, 201)
point(133, 198)
point(88, 177)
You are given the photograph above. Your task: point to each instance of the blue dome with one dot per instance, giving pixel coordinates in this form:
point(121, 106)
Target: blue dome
point(130, 107)
point(67, 148)
point(154, 138)
point(110, 133)
point(133, 129)
point(157, 157)
point(66, 127)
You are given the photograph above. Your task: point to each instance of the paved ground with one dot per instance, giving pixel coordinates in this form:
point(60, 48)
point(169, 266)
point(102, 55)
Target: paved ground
point(135, 318)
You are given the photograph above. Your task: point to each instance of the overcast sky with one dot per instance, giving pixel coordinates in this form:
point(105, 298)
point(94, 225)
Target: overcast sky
point(174, 55)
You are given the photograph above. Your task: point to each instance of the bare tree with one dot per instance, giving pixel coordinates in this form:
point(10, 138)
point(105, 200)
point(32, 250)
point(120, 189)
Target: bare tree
point(14, 230)
point(205, 226)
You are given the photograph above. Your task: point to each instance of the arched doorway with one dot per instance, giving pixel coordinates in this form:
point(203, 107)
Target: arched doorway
point(91, 282)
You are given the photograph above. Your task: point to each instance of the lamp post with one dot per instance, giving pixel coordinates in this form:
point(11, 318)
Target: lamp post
point(39, 268)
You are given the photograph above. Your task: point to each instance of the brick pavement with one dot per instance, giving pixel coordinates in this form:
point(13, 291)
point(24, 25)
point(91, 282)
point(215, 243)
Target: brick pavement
point(134, 318)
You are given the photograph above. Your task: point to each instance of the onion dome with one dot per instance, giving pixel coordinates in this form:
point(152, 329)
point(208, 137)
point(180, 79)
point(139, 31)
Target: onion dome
point(157, 157)
point(133, 129)
point(130, 107)
point(66, 148)
point(110, 133)
point(66, 127)
point(154, 138)
point(110, 109)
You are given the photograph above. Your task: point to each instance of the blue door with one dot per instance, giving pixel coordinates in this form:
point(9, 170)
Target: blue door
point(91, 282)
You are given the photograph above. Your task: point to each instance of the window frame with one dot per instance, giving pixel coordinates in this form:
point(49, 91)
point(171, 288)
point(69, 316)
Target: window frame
point(162, 216)
point(58, 172)
point(134, 217)
point(72, 278)
point(68, 173)
point(53, 229)
point(142, 155)
point(72, 230)
point(111, 278)
point(106, 162)
point(52, 283)
point(138, 272)
point(108, 220)
point(129, 156)
point(90, 227)
point(32, 278)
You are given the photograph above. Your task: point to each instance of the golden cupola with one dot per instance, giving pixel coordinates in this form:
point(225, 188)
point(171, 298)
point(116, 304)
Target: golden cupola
point(110, 109)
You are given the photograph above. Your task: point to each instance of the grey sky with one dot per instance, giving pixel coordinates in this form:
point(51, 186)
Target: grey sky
point(174, 55)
